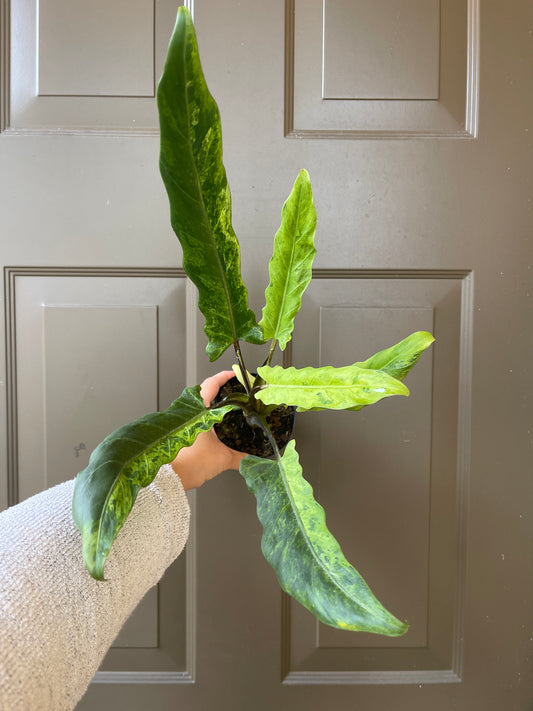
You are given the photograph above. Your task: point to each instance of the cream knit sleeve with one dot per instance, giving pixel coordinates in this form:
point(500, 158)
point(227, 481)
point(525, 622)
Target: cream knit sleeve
point(56, 622)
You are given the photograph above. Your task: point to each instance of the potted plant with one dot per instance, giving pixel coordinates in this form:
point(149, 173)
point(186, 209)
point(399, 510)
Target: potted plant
point(306, 557)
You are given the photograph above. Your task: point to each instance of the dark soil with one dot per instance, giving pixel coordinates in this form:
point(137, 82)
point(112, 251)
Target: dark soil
point(238, 434)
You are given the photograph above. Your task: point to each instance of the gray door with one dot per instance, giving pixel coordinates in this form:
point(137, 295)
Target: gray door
point(413, 118)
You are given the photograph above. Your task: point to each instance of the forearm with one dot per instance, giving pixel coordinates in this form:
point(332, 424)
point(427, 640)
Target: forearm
point(56, 622)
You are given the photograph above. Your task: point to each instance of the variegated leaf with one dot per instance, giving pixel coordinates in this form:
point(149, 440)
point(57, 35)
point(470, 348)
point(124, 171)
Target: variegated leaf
point(127, 460)
point(307, 559)
point(290, 268)
point(200, 202)
point(326, 388)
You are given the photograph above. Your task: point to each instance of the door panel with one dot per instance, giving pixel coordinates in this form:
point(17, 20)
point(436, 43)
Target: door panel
point(400, 68)
point(85, 67)
point(392, 479)
point(414, 122)
point(89, 350)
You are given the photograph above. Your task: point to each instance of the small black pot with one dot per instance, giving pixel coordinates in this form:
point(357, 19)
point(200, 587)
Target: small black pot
point(235, 432)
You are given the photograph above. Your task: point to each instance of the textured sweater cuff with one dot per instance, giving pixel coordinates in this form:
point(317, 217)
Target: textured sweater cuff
point(56, 622)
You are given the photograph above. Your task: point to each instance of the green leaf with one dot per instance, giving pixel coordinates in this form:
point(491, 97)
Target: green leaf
point(238, 374)
point(398, 360)
point(200, 202)
point(307, 559)
point(290, 266)
point(326, 388)
point(127, 460)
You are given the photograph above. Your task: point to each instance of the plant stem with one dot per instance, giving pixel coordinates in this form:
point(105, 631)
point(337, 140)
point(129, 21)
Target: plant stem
point(271, 352)
point(239, 399)
point(257, 419)
point(244, 372)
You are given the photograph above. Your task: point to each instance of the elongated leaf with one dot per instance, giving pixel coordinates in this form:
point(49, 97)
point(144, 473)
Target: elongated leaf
point(326, 388)
point(307, 559)
point(400, 358)
point(200, 203)
point(127, 460)
point(290, 266)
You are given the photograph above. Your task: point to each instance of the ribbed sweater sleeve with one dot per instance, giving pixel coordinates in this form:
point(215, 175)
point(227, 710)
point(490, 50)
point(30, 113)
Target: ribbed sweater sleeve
point(56, 622)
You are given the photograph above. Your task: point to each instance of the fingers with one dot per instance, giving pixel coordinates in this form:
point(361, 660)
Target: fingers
point(209, 390)
point(211, 385)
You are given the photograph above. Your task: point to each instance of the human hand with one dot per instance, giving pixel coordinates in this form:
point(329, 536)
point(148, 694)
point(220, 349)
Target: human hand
point(207, 457)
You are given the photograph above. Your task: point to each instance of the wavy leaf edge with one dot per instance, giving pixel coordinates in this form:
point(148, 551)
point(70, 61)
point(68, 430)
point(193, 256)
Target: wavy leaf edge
point(399, 359)
point(290, 268)
point(344, 591)
point(200, 202)
point(131, 463)
point(327, 387)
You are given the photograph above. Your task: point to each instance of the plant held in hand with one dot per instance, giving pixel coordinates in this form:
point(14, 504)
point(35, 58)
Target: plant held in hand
point(307, 559)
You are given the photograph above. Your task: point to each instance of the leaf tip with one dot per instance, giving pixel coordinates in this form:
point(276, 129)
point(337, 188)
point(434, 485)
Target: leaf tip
point(428, 337)
point(400, 629)
point(97, 575)
point(94, 563)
